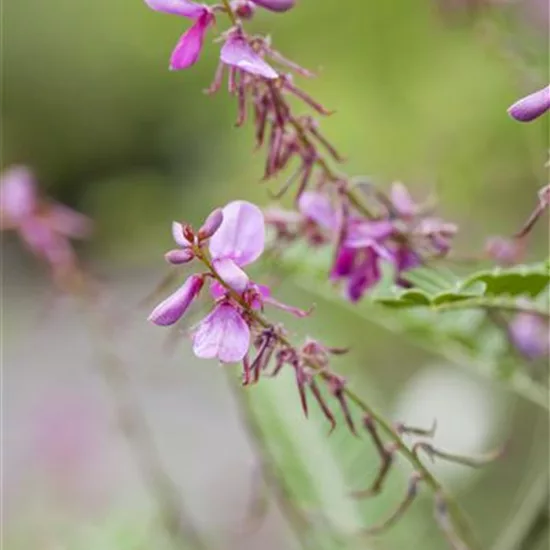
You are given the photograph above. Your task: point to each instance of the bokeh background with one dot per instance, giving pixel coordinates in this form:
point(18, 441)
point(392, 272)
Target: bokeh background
point(421, 90)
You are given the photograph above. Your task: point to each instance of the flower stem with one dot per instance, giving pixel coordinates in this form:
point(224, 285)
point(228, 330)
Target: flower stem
point(492, 304)
point(459, 521)
point(230, 12)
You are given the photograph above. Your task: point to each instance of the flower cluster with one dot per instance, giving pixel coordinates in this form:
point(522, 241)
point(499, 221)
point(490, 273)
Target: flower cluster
point(365, 228)
point(400, 235)
point(45, 227)
point(230, 239)
point(235, 330)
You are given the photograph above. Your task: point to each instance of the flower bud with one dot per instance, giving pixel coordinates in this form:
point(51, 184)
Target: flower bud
point(211, 224)
point(188, 234)
point(532, 106)
point(179, 256)
point(243, 9)
point(276, 5)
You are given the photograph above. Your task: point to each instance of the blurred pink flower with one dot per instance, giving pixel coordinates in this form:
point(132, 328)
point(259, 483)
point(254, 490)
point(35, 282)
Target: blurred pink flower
point(45, 227)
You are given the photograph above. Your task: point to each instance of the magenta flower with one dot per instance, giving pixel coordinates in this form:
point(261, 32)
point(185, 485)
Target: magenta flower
point(360, 251)
point(45, 227)
point(235, 236)
point(188, 49)
point(530, 107)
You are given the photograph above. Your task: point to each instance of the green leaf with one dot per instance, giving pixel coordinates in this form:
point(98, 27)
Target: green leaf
point(525, 280)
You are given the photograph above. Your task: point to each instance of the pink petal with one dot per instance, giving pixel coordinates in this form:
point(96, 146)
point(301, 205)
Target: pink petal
point(173, 308)
point(236, 52)
point(223, 334)
point(211, 224)
point(217, 290)
point(317, 207)
point(69, 222)
point(185, 8)
point(17, 193)
point(179, 256)
point(364, 233)
point(402, 200)
point(188, 49)
point(241, 236)
point(177, 235)
point(37, 234)
point(231, 274)
point(532, 106)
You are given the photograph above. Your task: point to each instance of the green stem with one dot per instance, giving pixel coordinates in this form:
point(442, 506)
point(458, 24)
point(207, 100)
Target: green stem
point(458, 519)
point(494, 304)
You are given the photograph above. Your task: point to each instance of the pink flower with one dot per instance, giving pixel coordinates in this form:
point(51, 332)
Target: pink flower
point(45, 227)
point(223, 334)
point(174, 307)
point(188, 49)
point(530, 107)
point(360, 251)
point(235, 236)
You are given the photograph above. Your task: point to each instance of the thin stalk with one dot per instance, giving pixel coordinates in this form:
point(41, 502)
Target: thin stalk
point(494, 304)
point(455, 513)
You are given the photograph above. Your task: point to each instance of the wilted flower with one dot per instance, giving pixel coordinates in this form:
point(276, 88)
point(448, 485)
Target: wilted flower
point(532, 106)
point(45, 227)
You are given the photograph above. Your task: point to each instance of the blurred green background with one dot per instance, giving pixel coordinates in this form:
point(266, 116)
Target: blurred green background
point(421, 91)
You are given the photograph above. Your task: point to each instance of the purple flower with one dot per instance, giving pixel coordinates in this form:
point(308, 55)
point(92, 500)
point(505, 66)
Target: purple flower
point(188, 49)
point(239, 241)
point(530, 335)
point(223, 334)
point(360, 251)
point(174, 307)
point(532, 106)
point(45, 227)
point(236, 238)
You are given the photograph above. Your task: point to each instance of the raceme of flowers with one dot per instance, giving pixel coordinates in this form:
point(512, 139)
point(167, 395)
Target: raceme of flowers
point(366, 228)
